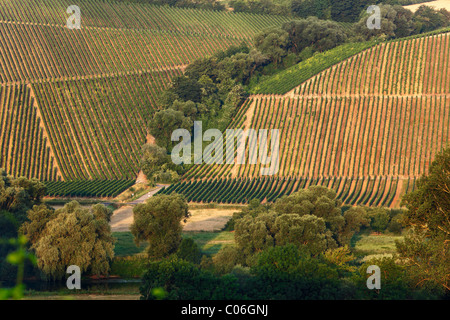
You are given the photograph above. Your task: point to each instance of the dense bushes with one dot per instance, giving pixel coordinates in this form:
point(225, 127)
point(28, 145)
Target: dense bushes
point(279, 273)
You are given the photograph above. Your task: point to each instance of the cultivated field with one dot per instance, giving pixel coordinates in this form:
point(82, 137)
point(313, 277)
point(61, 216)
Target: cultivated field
point(367, 127)
point(80, 100)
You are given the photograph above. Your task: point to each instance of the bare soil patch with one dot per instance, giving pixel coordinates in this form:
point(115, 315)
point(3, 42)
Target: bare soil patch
point(208, 219)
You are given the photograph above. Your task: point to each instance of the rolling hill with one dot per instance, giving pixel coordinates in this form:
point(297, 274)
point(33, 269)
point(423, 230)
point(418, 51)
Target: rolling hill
point(367, 127)
point(80, 99)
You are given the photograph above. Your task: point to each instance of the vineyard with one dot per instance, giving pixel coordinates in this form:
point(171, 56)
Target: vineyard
point(25, 147)
point(368, 127)
point(365, 191)
point(88, 188)
point(75, 103)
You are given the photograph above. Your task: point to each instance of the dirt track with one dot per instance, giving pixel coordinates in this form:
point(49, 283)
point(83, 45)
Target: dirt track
point(200, 220)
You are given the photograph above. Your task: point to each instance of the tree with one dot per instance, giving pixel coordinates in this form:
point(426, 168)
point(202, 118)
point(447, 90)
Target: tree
point(427, 19)
point(17, 196)
point(426, 249)
point(189, 251)
point(272, 42)
point(186, 89)
point(71, 235)
point(355, 218)
point(310, 219)
point(347, 10)
point(158, 221)
point(321, 35)
point(316, 200)
point(163, 124)
point(153, 157)
point(307, 8)
point(379, 219)
point(288, 272)
point(387, 24)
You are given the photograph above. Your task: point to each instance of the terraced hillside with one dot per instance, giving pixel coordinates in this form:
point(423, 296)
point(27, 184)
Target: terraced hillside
point(83, 97)
point(367, 127)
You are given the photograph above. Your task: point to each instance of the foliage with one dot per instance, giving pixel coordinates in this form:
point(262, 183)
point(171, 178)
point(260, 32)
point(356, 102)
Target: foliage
point(310, 219)
point(355, 218)
point(129, 267)
point(182, 280)
point(152, 159)
point(158, 221)
point(68, 236)
point(290, 78)
point(288, 273)
point(379, 219)
point(320, 35)
point(17, 196)
point(426, 249)
point(395, 281)
point(189, 251)
point(17, 258)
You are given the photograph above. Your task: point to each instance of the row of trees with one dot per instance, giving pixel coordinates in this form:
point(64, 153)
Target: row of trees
point(398, 22)
point(337, 10)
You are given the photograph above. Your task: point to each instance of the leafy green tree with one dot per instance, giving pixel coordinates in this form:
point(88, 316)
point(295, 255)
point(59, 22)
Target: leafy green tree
point(272, 42)
point(187, 89)
point(307, 8)
point(163, 124)
point(153, 157)
point(183, 280)
point(395, 281)
point(226, 259)
point(17, 196)
point(312, 32)
point(38, 217)
point(316, 200)
point(426, 250)
point(387, 24)
point(309, 218)
point(427, 19)
point(72, 235)
point(289, 273)
point(355, 218)
point(379, 219)
point(347, 10)
point(189, 251)
point(158, 221)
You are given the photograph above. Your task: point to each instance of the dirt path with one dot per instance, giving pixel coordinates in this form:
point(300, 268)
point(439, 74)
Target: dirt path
point(201, 219)
point(123, 217)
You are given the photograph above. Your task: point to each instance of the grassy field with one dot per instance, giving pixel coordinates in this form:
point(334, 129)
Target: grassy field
point(125, 245)
point(367, 245)
point(209, 242)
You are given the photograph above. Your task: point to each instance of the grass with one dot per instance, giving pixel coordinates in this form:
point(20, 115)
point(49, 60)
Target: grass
point(209, 242)
point(367, 245)
point(125, 245)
